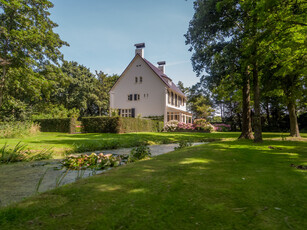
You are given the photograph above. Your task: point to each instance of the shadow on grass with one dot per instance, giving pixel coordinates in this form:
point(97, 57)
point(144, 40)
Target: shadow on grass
point(233, 184)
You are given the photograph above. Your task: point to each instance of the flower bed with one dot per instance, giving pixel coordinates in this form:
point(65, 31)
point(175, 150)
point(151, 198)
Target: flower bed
point(92, 161)
point(200, 125)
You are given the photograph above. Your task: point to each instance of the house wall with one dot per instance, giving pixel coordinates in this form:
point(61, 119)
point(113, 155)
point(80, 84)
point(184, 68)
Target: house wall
point(153, 105)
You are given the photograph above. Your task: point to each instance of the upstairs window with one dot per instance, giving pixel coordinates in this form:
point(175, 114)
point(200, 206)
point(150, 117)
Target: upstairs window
point(141, 79)
point(130, 97)
point(172, 98)
point(180, 101)
point(136, 97)
point(169, 97)
point(136, 79)
point(176, 101)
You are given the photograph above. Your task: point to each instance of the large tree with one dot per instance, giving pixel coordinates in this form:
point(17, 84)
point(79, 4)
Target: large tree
point(270, 38)
point(215, 34)
point(27, 38)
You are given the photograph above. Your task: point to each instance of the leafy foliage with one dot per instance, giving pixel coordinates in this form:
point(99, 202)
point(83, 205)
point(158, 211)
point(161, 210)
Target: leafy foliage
point(119, 125)
point(18, 129)
point(21, 153)
point(234, 42)
point(93, 161)
point(65, 125)
point(139, 153)
point(183, 144)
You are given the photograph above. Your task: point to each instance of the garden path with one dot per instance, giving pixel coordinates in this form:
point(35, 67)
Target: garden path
point(24, 179)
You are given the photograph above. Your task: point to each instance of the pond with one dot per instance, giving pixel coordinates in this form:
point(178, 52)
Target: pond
point(24, 179)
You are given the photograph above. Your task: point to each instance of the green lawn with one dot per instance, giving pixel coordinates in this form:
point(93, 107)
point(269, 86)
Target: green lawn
point(61, 142)
point(229, 184)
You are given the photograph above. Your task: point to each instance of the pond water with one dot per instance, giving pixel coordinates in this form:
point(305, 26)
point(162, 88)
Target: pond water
point(24, 179)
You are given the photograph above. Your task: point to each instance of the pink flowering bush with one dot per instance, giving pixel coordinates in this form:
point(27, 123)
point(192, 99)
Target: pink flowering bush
point(199, 125)
point(222, 127)
point(183, 126)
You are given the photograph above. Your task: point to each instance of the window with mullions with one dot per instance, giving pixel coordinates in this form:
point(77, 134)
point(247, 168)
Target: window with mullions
point(126, 113)
point(136, 97)
point(136, 79)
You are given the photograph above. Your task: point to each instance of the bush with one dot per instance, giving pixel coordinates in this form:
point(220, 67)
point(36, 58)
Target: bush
point(198, 125)
point(203, 125)
point(119, 125)
point(222, 127)
point(139, 153)
point(183, 126)
point(171, 126)
point(65, 125)
point(18, 129)
point(100, 124)
point(183, 144)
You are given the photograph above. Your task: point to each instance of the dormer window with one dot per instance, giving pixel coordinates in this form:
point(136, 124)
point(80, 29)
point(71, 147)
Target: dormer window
point(136, 79)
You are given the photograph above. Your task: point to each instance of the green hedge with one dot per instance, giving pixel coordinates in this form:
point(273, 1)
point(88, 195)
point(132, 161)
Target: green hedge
point(65, 125)
point(119, 125)
point(100, 125)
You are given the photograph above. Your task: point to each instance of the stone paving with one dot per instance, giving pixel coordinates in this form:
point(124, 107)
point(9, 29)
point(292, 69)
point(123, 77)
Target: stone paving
point(21, 180)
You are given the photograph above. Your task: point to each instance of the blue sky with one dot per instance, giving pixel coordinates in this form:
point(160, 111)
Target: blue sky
point(102, 33)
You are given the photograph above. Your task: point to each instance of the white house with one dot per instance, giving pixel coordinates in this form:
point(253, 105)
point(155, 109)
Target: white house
point(145, 90)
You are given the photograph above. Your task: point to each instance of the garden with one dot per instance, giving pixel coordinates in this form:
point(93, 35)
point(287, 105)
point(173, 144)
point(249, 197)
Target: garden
point(227, 182)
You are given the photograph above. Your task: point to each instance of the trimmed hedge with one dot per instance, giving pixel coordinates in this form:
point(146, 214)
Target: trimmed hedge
point(100, 125)
point(119, 125)
point(128, 125)
point(64, 125)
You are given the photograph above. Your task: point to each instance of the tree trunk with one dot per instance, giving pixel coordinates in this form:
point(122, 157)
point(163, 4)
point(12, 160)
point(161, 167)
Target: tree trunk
point(2, 81)
point(247, 132)
point(257, 115)
point(268, 115)
point(294, 130)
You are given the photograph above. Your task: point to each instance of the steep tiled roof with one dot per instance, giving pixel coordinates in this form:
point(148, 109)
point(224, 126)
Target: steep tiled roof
point(164, 78)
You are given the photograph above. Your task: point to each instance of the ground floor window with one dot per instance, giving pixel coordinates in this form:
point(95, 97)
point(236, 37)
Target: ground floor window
point(126, 113)
point(176, 116)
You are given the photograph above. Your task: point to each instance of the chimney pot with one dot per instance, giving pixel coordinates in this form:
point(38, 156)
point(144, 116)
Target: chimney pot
point(140, 49)
point(161, 66)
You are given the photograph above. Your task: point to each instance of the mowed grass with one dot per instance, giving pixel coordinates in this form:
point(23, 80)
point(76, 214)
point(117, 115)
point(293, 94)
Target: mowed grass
point(229, 184)
point(63, 142)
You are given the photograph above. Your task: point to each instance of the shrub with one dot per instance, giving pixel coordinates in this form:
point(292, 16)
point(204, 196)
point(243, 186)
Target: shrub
point(222, 127)
point(198, 125)
point(139, 153)
point(18, 129)
point(119, 125)
point(203, 125)
point(183, 144)
point(65, 125)
point(171, 126)
point(100, 124)
point(183, 126)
